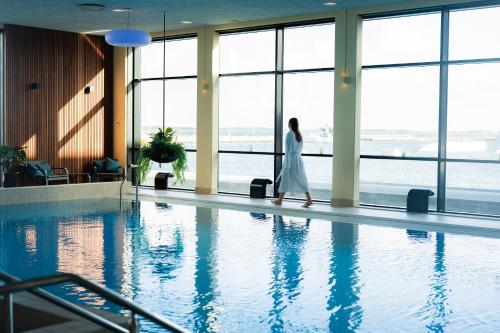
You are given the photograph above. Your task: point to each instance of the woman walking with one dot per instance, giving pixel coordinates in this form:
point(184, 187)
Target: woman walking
point(293, 175)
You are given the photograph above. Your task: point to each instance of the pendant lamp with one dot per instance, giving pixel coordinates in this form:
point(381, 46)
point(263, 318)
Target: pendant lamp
point(128, 37)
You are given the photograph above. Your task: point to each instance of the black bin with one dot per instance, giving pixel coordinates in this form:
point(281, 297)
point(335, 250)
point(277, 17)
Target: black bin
point(418, 200)
point(258, 188)
point(161, 180)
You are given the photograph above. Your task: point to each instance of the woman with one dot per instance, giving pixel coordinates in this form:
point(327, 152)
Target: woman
point(293, 175)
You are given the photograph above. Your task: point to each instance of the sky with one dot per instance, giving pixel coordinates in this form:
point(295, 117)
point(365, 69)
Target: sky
point(392, 99)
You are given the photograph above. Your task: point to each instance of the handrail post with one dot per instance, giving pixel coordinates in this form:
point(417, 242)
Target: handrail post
point(8, 312)
point(130, 168)
point(133, 326)
point(136, 187)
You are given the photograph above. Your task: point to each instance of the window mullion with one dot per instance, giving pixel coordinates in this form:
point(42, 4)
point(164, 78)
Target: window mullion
point(443, 110)
point(278, 114)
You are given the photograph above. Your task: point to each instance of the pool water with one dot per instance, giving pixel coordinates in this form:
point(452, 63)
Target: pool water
point(222, 270)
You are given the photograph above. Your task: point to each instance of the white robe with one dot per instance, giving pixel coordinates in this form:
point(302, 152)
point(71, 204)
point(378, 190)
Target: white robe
point(293, 174)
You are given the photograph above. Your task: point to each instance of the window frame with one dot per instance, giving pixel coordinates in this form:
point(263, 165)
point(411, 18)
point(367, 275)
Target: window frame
point(443, 64)
point(278, 73)
point(133, 152)
point(2, 86)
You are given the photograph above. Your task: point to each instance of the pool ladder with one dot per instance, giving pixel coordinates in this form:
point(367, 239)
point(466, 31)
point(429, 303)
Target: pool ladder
point(32, 286)
point(129, 171)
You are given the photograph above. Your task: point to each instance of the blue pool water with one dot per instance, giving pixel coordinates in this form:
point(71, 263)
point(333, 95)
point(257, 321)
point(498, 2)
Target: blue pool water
point(219, 270)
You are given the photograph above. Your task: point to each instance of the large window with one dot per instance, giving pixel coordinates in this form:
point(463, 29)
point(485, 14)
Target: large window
point(430, 106)
point(267, 77)
point(1, 86)
point(180, 83)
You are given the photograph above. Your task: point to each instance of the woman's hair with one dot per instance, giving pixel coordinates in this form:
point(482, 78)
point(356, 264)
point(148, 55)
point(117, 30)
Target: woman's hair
point(294, 126)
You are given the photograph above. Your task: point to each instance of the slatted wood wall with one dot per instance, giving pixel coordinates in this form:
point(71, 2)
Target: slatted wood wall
point(58, 122)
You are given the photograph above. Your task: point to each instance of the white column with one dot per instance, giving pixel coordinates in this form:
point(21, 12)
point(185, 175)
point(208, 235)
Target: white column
point(346, 126)
point(207, 123)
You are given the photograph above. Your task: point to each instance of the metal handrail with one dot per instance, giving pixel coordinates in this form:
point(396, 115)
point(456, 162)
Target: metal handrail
point(75, 309)
point(108, 294)
point(130, 168)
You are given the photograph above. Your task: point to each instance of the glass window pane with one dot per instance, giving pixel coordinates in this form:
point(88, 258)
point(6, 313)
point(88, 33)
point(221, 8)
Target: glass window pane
point(402, 39)
point(319, 176)
point(309, 97)
point(473, 188)
point(190, 174)
point(236, 172)
point(309, 46)
point(180, 58)
point(473, 111)
point(246, 113)
point(180, 109)
point(474, 34)
point(400, 111)
point(387, 182)
point(247, 52)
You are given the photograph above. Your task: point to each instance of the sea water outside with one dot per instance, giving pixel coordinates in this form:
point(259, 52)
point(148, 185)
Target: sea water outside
point(471, 187)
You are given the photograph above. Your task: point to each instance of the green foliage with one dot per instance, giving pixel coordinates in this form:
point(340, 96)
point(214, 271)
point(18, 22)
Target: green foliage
point(12, 157)
point(163, 136)
point(180, 165)
point(163, 149)
point(144, 165)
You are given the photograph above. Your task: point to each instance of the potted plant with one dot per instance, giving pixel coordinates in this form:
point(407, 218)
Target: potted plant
point(11, 160)
point(163, 148)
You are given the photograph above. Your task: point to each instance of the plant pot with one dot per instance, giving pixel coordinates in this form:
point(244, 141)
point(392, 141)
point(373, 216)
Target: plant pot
point(11, 179)
point(163, 153)
point(167, 159)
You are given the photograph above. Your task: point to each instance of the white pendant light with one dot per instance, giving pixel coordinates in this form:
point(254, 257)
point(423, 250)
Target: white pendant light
point(128, 37)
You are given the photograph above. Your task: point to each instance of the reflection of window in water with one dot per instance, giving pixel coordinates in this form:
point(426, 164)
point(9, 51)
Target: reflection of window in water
point(206, 312)
point(290, 236)
point(345, 312)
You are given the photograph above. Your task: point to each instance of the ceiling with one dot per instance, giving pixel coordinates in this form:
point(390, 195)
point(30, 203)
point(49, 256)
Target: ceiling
point(147, 14)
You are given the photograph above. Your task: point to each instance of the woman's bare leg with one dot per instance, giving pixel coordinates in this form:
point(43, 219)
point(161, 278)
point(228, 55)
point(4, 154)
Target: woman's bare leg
point(309, 201)
point(279, 201)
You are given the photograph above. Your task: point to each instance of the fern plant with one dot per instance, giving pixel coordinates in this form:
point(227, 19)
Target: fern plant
point(163, 148)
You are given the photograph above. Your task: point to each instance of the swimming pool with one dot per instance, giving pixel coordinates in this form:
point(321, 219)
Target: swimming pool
point(222, 270)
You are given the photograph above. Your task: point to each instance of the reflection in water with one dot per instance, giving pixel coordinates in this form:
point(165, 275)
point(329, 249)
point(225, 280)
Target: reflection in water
point(134, 232)
point(29, 244)
point(206, 270)
point(259, 217)
point(345, 312)
point(417, 235)
point(289, 239)
point(163, 242)
point(437, 300)
point(165, 258)
point(187, 270)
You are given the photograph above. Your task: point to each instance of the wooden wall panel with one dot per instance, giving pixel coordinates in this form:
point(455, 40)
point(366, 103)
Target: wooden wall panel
point(58, 123)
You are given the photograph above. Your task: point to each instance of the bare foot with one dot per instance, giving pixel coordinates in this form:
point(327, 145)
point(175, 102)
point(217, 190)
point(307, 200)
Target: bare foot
point(307, 204)
point(276, 202)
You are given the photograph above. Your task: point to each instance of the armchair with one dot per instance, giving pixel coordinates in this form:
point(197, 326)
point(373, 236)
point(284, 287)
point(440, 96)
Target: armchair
point(42, 170)
point(107, 169)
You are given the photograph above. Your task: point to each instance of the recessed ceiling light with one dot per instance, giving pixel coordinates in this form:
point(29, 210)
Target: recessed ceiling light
point(186, 22)
point(329, 3)
point(91, 7)
point(121, 10)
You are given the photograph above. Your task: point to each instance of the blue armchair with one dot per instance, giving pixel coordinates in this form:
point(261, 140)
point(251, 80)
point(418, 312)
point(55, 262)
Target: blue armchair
point(42, 170)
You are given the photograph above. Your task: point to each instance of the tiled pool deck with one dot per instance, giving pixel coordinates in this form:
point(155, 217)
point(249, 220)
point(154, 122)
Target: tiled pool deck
point(474, 225)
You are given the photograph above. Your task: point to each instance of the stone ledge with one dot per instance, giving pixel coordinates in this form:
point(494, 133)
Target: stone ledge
point(51, 193)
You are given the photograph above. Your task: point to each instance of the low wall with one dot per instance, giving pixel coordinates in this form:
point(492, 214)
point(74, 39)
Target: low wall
point(51, 193)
